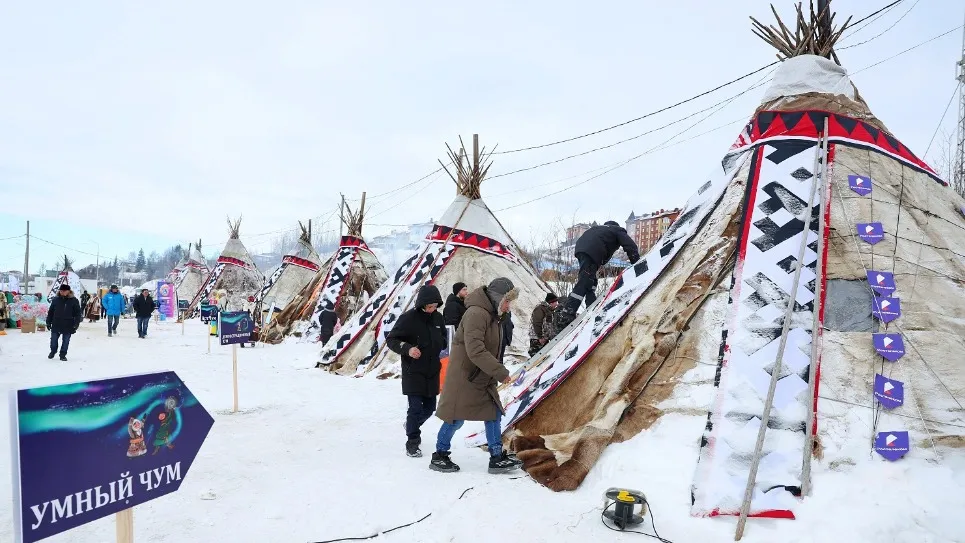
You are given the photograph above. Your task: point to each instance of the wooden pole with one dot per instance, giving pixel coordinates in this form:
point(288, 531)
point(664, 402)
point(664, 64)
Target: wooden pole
point(124, 521)
point(778, 362)
point(816, 331)
point(208, 332)
point(362, 208)
point(341, 217)
point(234, 376)
point(26, 263)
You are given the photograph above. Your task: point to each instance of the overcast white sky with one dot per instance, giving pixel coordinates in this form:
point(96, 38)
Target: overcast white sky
point(126, 125)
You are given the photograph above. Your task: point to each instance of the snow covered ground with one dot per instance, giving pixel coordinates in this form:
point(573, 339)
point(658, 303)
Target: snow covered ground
point(314, 457)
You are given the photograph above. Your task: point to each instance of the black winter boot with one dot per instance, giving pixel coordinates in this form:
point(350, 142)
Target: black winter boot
point(502, 463)
point(412, 448)
point(440, 462)
point(51, 355)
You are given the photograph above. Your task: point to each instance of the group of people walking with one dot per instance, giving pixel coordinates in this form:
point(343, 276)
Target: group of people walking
point(65, 316)
point(482, 329)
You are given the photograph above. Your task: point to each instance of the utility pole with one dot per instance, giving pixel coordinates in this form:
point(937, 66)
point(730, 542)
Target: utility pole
point(26, 263)
point(958, 169)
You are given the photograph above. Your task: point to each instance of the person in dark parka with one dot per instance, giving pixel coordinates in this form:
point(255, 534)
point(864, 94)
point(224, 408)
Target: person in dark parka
point(419, 337)
point(63, 320)
point(593, 250)
point(327, 319)
point(455, 304)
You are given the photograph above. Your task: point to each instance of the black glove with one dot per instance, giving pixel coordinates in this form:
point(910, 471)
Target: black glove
point(75, 330)
point(48, 324)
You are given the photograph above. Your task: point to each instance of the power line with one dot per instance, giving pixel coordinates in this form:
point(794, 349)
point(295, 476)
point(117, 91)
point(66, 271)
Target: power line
point(883, 32)
point(937, 128)
point(651, 114)
point(880, 13)
point(913, 47)
point(13, 237)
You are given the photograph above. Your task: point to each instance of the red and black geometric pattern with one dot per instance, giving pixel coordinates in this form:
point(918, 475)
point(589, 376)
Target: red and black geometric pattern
point(352, 241)
point(301, 262)
point(768, 125)
point(470, 239)
point(234, 262)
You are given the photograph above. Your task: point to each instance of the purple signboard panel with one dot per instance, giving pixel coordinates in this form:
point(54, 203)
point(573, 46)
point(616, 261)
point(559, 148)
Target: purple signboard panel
point(892, 445)
point(167, 299)
point(860, 185)
point(882, 282)
point(871, 232)
point(889, 346)
point(83, 451)
point(889, 393)
point(886, 309)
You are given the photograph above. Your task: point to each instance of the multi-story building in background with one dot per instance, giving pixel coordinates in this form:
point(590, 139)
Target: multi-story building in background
point(646, 229)
point(574, 232)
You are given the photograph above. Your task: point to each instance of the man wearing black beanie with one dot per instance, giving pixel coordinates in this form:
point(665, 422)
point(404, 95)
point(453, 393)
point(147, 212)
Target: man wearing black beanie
point(455, 306)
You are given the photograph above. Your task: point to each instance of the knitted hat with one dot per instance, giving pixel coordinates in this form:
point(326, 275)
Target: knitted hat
point(457, 287)
point(611, 223)
point(550, 297)
point(64, 287)
point(500, 288)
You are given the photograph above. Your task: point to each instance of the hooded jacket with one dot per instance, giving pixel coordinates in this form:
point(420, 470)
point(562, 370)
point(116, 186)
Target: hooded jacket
point(114, 303)
point(427, 331)
point(64, 315)
point(143, 307)
point(455, 309)
point(600, 242)
point(474, 368)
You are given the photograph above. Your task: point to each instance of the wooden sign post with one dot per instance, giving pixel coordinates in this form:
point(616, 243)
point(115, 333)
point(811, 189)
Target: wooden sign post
point(124, 520)
point(234, 376)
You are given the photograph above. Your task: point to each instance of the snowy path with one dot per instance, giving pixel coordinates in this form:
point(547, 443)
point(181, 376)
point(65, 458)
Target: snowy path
point(314, 456)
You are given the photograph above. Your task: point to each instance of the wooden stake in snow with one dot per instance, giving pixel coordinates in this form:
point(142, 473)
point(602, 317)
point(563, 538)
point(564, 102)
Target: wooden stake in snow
point(816, 331)
point(234, 377)
point(124, 521)
point(779, 359)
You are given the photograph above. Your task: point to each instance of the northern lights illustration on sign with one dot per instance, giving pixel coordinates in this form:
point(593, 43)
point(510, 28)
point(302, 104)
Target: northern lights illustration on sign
point(83, 451)
point(235, 327)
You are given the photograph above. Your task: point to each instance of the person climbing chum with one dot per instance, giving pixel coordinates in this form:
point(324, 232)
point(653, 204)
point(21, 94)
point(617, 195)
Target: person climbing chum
point(143, 309)
point(418, 337)
point(63, 320)
point(115, 304)
point(541, 328)
point(474, 372)
point(593, 250)
point(455, 304)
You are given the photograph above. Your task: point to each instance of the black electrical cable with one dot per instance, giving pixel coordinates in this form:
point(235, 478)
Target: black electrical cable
point(654, 535)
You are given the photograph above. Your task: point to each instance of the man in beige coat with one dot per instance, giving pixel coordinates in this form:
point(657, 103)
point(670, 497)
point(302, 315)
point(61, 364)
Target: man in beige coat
point(473, 374)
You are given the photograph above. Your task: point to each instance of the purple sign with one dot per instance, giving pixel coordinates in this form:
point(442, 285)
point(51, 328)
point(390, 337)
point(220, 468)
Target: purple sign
point(166, 296)
point(889, 393)
point(83, 451)
point(871, 232)
point(886, 309)
point(889, 346)
point(861, 185)
point(892, 445)
point(882, 282)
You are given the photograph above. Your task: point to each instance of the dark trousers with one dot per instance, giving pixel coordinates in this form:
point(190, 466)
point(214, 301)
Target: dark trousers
point(142, 326)
point(585, 288)
point(112, 321)
point(54, 337)
point(420, 409)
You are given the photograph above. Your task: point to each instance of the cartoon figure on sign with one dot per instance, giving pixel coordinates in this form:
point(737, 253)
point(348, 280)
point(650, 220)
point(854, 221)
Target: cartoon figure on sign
point(135, 429)
point(165, 435)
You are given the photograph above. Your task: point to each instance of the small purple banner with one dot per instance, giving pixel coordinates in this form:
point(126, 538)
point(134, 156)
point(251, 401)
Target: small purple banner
point(871, 232)
point(892, 445)
point(886, 309)
point(882, 282)
point(83, 451)
point(889, 393)
point(860, 185)
point(235, 327)
point(889, 346)
point(166, 296)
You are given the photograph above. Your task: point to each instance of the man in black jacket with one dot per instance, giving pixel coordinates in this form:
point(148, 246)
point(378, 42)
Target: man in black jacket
point(455, 304)
point(419, 336)
point(143, 308)
point(63, 319)
point(593, 250)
